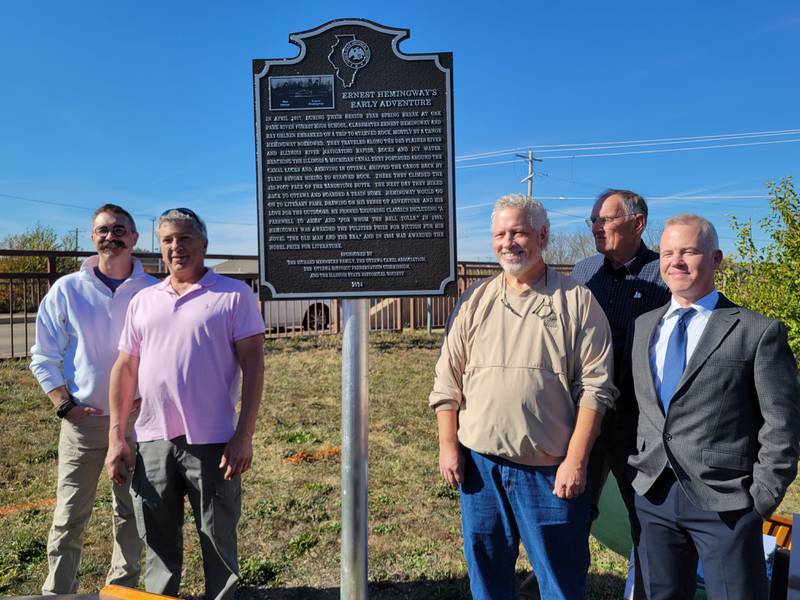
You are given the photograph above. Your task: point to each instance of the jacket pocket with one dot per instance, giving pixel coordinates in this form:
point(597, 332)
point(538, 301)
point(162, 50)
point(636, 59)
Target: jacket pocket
point(726, 460)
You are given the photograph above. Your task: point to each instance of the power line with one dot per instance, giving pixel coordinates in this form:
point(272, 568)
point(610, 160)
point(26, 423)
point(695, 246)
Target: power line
point(633, 152)
point(632, 145)
point(629, 143)
point(662, 150)
point(501, 162)
point(24, 199)
point(698, 198)
point(92, 209)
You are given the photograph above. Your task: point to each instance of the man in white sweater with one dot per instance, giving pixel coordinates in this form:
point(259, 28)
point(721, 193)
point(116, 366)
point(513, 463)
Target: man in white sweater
point(77, 330)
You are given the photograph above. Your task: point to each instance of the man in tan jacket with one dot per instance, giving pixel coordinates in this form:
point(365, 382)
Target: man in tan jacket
point(522, 383)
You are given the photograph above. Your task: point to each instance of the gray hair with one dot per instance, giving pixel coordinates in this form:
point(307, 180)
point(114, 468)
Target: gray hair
point(534, 212)
point(184, 214)
point(632, 203)
point(708, 232)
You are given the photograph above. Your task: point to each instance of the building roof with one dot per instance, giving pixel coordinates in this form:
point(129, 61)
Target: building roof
point(237, 265)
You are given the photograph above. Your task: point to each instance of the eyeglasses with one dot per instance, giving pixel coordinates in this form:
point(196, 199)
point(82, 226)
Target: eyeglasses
point(189, 213)
point(117, 230)
point(184, 211)
point(605, 220)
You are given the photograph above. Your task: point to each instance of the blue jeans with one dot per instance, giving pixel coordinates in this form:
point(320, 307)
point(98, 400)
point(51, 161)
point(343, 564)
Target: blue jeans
point(501, 502)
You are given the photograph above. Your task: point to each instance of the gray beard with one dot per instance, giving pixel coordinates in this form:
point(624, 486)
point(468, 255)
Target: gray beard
point(515, 268)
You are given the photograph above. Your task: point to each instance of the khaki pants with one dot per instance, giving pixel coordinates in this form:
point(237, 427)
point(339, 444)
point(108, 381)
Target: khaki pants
point(82, 451)
point(166, 471)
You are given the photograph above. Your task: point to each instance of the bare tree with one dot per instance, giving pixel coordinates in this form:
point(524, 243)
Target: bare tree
point(569, 247)
point(652, 237)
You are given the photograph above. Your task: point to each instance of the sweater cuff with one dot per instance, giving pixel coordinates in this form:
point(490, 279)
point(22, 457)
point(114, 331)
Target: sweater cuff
point(49, 382)
point(591, 401)
point(445, 405)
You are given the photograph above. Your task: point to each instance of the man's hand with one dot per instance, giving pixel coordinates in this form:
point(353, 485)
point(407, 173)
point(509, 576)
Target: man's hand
point(571, 476)
point(570, 479)
point(237, 456)
point(78, 413)
point(60, 396)
point(119, 461)
point(451, 463)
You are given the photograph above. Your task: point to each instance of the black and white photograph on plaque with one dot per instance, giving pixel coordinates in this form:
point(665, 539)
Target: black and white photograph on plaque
point(301, 92)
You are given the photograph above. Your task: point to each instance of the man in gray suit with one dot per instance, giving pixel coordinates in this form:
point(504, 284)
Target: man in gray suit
point(716, 443)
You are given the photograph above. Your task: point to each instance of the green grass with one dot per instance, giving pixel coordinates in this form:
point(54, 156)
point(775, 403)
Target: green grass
point(289, 531)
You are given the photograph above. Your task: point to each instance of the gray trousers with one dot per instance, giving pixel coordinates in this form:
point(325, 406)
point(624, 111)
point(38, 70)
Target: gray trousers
point(166, 471)
point(82, 451)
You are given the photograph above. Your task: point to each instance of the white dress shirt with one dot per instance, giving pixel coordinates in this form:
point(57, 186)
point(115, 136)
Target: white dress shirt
point(694, 329)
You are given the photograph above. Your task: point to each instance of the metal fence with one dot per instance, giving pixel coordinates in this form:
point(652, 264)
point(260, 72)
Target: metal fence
point(21, 293)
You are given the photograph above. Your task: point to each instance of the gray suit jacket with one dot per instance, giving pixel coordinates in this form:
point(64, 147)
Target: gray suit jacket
point(732, 431)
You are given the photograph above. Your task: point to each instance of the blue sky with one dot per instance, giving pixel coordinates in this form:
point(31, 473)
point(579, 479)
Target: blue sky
point(149, 105)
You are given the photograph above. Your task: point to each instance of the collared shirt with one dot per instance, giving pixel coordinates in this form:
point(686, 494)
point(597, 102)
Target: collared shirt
point(624, 292)
point(694, 329)
point(518, 365)
point(188, 369)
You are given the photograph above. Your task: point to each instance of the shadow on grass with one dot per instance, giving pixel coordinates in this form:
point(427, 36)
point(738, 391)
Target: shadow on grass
point(407, 342)
point(302, 344)
point(379, 341)
point(599, 587)
point(449, 589)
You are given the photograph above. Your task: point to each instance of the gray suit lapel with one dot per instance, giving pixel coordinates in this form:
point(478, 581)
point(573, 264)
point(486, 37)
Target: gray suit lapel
point(646, 390)
point(722, 319)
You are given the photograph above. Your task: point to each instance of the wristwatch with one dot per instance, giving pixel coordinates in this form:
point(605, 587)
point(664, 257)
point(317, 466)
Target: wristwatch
point(66, 406)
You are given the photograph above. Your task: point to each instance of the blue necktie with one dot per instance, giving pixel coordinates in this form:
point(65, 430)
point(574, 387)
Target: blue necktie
point(675, 359)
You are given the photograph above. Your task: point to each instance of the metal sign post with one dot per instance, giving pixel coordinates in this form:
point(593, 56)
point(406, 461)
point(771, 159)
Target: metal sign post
point(354, 449)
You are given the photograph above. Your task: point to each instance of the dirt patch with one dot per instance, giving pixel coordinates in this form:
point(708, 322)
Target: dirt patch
point(302, 456)
point(12, 509)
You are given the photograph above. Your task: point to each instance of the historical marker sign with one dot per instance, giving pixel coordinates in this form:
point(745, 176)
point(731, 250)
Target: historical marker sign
point(354, 145)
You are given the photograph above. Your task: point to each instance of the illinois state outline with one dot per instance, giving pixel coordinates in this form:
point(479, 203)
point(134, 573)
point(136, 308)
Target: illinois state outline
point(346, 74)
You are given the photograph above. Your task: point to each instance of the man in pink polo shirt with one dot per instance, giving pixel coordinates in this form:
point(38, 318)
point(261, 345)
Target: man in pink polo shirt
point(184, 343)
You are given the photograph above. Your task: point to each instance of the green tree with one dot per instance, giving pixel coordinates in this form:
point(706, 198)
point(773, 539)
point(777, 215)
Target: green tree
point(766, 278)
point(40, 237)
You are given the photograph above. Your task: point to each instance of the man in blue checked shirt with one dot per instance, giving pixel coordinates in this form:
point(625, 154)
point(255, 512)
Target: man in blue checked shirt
point(624, 278)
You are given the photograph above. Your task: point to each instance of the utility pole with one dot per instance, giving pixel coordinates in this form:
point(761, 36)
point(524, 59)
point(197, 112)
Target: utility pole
point(76, 238)
point(153, 242)
point(529, 178)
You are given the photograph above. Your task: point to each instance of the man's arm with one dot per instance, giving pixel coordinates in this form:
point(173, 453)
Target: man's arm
point(571, 475)
point(593, 388)
point(48, 353)
point(121, 396)
point(60, 395)
point(445, 398)
point(776, 386)
point(622, 437)
point(451, 463)
point(238, 454)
